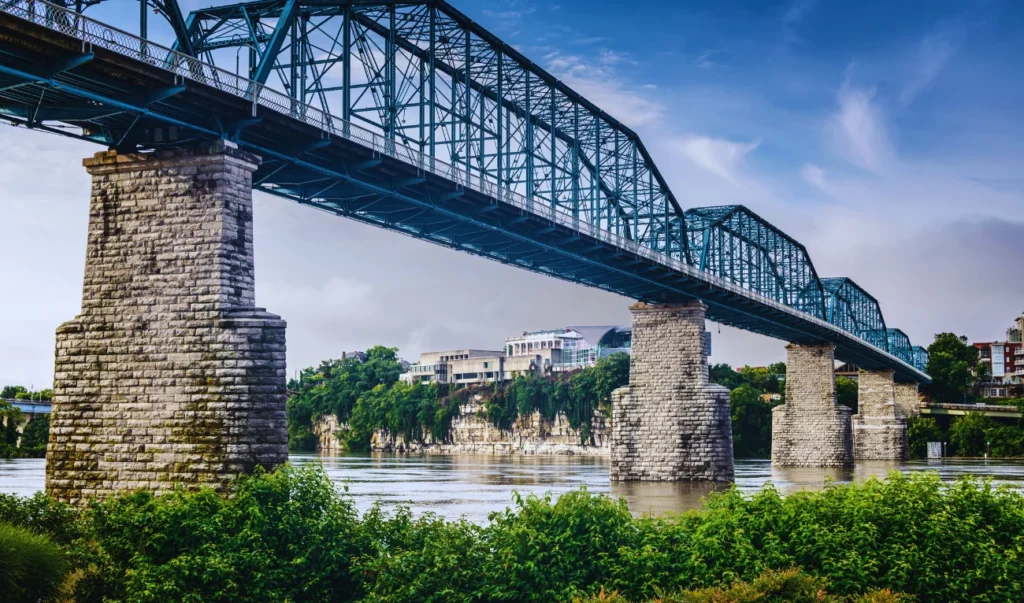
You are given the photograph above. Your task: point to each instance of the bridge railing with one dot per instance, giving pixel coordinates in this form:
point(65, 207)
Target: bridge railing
point(116, 40)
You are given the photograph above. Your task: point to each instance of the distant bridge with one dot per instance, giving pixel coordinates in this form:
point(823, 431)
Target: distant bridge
point(411, 117)
point(30, 407)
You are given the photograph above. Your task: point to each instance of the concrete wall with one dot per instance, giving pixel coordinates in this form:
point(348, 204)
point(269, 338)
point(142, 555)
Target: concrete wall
point(169, 375)
point(669, 424)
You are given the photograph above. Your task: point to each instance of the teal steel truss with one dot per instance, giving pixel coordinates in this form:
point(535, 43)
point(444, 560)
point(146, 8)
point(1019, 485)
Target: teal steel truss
point(737, 245)
point(411, 117)
point(425, 76)
point(853, 309)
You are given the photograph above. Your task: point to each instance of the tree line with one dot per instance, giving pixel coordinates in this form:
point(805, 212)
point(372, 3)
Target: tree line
point(367, 395)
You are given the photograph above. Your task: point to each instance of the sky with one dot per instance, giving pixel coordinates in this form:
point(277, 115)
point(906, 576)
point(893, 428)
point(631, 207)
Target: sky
point(885, 136)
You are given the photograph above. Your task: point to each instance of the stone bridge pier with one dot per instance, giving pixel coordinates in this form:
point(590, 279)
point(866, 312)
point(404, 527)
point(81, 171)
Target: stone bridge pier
point(669, 424)
point(879, 428)
point(170, 375)
point(811, 429)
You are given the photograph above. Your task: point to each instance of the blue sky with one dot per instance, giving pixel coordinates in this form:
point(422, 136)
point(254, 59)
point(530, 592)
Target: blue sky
point(885, 136)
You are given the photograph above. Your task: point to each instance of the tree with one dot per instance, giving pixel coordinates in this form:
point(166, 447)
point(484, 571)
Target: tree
point(36, 433)
point(920, 431)
point(952, 365)
point(967, 434)
point(10, 392)
point(751, 423)
point(847, 393)
point(724, 375)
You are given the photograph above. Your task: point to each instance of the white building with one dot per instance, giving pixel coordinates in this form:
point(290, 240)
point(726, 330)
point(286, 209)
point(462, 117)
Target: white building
point(571, 347)
point(464, 367)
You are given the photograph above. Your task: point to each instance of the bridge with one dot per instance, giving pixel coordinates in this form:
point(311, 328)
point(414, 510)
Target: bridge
point(411, 117)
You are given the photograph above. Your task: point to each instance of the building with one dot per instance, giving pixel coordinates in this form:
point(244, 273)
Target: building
point(1005, 363)
point(570, 348)
point(465, 367)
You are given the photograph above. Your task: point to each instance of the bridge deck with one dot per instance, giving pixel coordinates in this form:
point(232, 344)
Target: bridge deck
point(70, 70)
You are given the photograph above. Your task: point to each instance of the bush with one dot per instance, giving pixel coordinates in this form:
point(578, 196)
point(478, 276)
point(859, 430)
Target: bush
point(32, 568)
point(787, 586)
point(292, 536)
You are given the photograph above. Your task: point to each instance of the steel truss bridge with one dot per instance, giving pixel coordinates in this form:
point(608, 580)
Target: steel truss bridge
point(410, 116)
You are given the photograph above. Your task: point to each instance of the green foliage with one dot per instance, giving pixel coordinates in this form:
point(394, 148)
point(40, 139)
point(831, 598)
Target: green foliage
point(967, 434)
point(32, 568)
point(847, 393)
point(291, 536)
point(368, 397)
point(751, 415)
point(751, 423)
point(10, 392)
point(920, 431)
point(952, 364)
point(785, 586)
point(334, 387)
point(286, 536)
point(36, 433)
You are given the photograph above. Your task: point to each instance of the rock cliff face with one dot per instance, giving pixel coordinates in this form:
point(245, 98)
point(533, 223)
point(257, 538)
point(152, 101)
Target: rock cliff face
point(472, 433)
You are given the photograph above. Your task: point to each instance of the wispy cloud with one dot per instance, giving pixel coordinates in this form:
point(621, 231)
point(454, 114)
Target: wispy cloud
point(858, 127)
point(599, 80)
point(933, 53)
point(718, 156)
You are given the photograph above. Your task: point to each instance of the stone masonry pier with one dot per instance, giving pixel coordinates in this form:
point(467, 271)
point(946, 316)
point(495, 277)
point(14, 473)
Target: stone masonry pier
point(669, 424)
point(170, 375)
point(810, 429)
point(879, 430)
point(908, 403)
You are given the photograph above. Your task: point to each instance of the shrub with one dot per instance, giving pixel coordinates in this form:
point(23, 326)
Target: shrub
point(286, 536)
point(292, 536)
point(32, 568)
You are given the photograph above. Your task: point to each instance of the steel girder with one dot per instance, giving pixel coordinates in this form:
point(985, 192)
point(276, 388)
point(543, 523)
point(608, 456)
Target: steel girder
point(920, 358)
point(853, 309)
point(899, 346)
point(739, 246)
point(423, 74)
point(133, 94)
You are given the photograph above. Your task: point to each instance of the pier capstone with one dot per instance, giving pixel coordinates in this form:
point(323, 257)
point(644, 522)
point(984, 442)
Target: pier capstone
point(811, 429)
point(879, 431)
point(170, 376)
point(669, 424)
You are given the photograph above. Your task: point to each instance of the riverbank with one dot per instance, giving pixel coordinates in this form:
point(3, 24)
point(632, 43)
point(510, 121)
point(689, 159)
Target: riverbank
point(472, 433)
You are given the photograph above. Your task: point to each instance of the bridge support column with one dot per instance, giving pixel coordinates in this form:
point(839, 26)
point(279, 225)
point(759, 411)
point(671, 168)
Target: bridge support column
point(879, 432)
point(810, 429)
point(669, 424)
point(170, 375)
point(908, 404)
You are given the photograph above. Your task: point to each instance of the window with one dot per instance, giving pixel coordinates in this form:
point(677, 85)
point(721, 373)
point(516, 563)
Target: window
point(489, 375)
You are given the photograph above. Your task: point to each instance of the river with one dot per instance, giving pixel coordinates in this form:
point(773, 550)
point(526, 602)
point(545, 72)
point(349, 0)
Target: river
point(474, 486)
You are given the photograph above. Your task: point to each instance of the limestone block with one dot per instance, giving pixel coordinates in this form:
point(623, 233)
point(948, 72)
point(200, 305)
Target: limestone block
point(169, 375)
point(879, 430)
point(669, 424)
point(811, 429)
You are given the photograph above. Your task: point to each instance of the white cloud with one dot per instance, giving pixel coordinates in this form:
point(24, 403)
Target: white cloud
point(721, 157)
point(858, 128)
point(815, 176)
point(933, 54)
point(599, 82)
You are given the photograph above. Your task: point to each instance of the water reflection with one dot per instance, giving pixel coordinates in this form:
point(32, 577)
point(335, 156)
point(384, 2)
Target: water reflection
point(473, 486)
point(658, 498)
